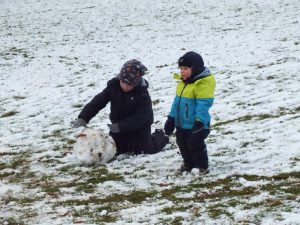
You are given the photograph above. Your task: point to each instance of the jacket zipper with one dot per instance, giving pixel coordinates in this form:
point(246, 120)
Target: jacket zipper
point(178, 110)
point(186, 110)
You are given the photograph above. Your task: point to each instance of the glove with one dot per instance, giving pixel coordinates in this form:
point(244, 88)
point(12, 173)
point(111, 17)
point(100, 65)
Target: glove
point(114, 128)
point(169, 125)
point(198, 132)
point(78, 123)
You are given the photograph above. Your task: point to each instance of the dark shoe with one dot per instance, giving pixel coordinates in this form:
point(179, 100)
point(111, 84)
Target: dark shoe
point(203, 171)
point(167, 139)
point(161, 132)
point(185, 168)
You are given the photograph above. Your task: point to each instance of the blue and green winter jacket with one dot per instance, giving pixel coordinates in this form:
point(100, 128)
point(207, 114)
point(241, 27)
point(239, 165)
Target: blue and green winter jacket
point(193, 100)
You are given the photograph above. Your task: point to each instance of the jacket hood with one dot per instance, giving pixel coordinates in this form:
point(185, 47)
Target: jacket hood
point(205, 73)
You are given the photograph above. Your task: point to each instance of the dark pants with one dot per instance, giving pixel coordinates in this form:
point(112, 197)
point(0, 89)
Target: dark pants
point(194, 154)
point(140, 142)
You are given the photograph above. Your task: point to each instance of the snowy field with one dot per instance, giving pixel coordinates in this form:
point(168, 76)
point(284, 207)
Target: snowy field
point(56, 55)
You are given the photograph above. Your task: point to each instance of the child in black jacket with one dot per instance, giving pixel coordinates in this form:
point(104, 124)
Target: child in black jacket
point(131, 111)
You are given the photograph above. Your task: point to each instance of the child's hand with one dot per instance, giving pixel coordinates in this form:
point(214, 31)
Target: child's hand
point(198, 132)
point(78, 123)
point(114, 128)
point(169, 126)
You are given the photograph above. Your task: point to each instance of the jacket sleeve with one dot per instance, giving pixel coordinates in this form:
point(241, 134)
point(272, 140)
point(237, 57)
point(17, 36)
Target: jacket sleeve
point(141, 115)
point(204, 99)
point(174, 108)
point(95, 105)
point(202, 111)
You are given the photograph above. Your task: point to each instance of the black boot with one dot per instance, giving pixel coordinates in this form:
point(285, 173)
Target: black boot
point(185, 168)
point(156, 142)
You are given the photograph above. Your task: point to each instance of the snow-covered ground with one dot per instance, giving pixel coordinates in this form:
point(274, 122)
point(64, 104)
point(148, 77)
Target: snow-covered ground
point(56, 55)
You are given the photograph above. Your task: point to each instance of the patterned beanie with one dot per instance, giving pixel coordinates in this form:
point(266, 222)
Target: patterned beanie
point(131, 72)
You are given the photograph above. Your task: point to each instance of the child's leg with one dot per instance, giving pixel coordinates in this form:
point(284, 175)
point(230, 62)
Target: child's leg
point(121, 143)
point(138, 142)
point(199, 154)
point(156, 142)
point(182, 140)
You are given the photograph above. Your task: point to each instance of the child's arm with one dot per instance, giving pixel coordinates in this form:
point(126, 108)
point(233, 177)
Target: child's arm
point(202, 111)
point(204, 92)
point(95, 105)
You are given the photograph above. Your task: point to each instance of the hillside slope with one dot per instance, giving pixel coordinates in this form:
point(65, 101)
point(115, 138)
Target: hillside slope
point(56, 55)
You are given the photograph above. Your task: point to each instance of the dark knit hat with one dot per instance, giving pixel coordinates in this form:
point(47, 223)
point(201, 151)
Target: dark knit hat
point(192, 60)
point(131, 72)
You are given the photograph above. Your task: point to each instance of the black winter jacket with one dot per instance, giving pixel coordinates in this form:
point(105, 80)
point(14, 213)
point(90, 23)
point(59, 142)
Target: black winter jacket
point(131, 110)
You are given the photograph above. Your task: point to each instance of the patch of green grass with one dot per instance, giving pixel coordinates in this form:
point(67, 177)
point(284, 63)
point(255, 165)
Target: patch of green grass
point(170, 193)
point(178, 220)
point(11, 220)
point(295, 159)
point(135, 197)
point(250, 177)
point(282, 112)
point(228, 190)
point(227, 132)
point(240, 119)
point(27, 215)
point(77, 105)
point(245, 144)
point(155, 102)
point(294, 189)
point(88, 179)
point(274, 188)
point(51, 161)
point(20, 160)
point(69, 169)
point(71, 141)
point(91, 85)
point(21, 176)
point(3, 166)
point(19, 50)
point(9, 114)
point(174, 221)
point(284, 176)
point(6, 174)
point(260, 140)
point(217, 210)
point(17, 97)
point(94, 215)
point(56, 133)
point(233, 202)
point(267, 203)
point(97, 178)
point(97, 66)
point(257, 103)
point(161, 66)
point(25, 201)
point(8, 153)
point(221, 193)
point(85, 187)
point(220, 153)
point(171, 210)
point(21, 164)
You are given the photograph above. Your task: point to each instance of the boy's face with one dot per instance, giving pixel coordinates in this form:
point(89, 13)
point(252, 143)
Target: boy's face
point(125, 87)
point(185, 72)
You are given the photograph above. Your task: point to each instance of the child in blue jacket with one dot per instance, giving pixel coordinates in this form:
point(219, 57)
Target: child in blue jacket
point(190, 111)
